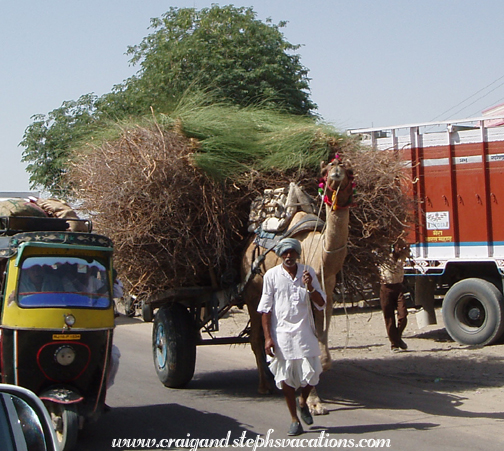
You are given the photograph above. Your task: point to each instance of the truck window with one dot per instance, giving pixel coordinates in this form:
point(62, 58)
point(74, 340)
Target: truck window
point(59, 281)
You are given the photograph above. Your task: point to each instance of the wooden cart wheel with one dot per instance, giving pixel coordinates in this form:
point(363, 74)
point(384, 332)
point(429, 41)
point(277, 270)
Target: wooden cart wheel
point(174, 345)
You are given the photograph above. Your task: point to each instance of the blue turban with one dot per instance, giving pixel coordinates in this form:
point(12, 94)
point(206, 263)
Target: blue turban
point(286, 244)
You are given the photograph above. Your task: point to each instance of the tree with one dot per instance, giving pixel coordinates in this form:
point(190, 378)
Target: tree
point(49, 139)
point(222, 50)
point(225, 49)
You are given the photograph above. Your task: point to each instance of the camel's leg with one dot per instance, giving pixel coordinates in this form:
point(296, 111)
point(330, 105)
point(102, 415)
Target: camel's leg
point(315, 403)
point(266, 381)
point(327, 361)
point(322, 324)
point(322, 327)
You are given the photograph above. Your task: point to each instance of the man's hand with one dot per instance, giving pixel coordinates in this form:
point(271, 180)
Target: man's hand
point(269, 347)
point(269, 344)
point(315, 296)
point(307, 280)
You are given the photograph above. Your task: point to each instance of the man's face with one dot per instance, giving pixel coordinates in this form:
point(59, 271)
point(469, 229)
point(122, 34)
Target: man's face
point(290, 257)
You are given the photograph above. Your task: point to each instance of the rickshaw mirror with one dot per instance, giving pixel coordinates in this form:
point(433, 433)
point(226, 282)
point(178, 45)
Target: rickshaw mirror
point(24, 421)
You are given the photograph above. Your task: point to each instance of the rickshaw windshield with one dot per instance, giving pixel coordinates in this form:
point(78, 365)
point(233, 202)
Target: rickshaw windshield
point(60, 281)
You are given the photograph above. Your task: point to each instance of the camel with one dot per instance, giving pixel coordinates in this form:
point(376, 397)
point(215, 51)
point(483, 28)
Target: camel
point(324, 250)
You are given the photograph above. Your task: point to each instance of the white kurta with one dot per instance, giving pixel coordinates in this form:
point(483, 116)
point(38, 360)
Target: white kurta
point(289, 301)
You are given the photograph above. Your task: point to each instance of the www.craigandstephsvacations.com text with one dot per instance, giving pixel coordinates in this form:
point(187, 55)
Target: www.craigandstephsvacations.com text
point(324, 440)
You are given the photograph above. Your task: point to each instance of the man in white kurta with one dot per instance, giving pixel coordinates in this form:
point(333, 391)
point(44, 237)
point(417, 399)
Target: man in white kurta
point(289, 290)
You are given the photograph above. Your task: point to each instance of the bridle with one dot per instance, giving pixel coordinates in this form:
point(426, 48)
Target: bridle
point(333, 201)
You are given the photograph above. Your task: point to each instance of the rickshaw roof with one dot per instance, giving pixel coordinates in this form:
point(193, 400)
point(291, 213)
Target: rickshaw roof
point(18, 232)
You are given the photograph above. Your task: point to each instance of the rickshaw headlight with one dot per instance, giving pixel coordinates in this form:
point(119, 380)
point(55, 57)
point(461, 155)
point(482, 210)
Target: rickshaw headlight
point(69, 320)
point(64, 355)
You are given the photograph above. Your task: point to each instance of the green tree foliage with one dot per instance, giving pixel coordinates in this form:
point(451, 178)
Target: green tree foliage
point(226, 49)
point(49, 139)
point(223, 50)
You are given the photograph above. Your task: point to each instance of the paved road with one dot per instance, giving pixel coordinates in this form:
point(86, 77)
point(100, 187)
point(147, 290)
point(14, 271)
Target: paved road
point(221, 403)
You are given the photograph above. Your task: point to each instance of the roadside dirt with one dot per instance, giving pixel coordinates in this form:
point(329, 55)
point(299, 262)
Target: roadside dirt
point(433, 361)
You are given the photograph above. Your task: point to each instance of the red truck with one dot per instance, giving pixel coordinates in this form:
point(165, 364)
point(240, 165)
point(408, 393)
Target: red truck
point(456, 178)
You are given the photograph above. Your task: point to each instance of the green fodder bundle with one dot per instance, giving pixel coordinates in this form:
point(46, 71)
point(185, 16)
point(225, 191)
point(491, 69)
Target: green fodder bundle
point(174, 193)
point(238, 144)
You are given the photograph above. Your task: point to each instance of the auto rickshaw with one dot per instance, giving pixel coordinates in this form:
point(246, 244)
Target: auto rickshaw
point(57, 317)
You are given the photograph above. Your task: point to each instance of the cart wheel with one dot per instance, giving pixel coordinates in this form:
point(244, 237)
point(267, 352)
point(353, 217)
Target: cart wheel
point(174, 345)
point(473, 312)
point(147, 313)
point(66, 424)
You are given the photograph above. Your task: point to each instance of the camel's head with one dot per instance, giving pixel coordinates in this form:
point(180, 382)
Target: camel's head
point(337, 183)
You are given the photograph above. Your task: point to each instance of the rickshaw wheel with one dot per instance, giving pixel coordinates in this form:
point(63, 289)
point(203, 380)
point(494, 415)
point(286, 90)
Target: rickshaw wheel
point(174, 345)
point(66, 424)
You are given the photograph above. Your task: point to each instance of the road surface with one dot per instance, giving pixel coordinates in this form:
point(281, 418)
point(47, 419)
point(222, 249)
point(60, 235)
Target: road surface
point(367, 406)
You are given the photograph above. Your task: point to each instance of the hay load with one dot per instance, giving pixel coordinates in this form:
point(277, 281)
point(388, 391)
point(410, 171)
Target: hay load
point(171, 224)
point(174, 193)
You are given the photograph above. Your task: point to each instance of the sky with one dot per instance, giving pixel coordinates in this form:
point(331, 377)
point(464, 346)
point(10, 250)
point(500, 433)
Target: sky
point(372, 63)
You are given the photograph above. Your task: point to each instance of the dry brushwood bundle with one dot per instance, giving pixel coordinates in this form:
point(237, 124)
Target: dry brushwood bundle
point(169, 222)
point(173, 225)
point(381, 214)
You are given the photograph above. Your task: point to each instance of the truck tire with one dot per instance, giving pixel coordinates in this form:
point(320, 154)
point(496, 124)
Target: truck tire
point(473, 312)
point(174, 345)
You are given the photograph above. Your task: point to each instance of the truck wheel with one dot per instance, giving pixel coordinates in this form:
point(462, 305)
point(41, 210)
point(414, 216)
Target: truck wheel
point(174, 345)
point(147, 313)
point(473, 312)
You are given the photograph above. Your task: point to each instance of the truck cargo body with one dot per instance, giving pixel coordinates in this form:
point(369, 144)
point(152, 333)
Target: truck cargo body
point(456, 179)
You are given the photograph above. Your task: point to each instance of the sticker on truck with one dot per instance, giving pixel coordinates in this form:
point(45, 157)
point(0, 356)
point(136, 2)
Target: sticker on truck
point(438, 220)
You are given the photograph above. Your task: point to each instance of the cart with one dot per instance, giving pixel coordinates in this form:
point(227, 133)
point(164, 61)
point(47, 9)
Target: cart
point(182, 316)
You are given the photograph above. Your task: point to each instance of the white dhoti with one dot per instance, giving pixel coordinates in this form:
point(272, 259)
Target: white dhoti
point(296, 373)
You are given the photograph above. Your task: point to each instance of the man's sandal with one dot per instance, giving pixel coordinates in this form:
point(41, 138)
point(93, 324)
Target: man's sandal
point(305, 413)
point(295, 428)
